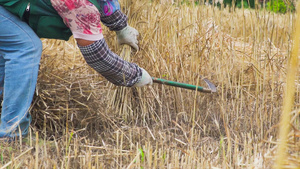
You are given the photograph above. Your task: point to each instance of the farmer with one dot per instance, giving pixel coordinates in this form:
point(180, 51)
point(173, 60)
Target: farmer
point(22, 23)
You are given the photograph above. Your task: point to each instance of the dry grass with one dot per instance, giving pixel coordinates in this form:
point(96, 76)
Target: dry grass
point(86, 122)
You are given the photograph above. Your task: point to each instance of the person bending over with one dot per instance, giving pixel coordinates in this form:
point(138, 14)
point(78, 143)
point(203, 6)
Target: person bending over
point(24, 23)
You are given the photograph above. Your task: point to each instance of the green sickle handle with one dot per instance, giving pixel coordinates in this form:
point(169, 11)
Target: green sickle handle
point(184, 85)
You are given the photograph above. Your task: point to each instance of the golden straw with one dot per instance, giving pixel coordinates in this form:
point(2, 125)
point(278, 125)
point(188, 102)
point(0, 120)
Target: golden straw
point(288, 97)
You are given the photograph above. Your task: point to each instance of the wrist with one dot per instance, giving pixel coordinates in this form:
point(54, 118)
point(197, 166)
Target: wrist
point(116, 21)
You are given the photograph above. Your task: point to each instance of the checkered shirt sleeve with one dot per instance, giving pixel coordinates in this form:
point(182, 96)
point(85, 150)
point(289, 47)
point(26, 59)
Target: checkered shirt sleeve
point(115, 22)
point(110, 65)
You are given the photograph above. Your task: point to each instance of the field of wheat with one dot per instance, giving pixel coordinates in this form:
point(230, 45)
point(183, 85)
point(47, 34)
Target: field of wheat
point(80, 120)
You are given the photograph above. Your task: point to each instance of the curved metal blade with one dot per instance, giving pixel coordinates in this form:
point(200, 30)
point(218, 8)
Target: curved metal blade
point(211, 86)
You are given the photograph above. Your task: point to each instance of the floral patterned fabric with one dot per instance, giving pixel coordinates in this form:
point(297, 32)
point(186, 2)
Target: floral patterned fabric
point(83, 17)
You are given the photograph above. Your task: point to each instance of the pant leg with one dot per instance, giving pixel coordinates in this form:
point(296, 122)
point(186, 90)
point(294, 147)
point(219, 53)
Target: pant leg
point(2, 64)
point(20, 52)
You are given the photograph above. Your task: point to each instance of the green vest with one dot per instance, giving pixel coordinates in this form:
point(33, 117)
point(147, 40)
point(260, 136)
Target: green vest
point(44, 19)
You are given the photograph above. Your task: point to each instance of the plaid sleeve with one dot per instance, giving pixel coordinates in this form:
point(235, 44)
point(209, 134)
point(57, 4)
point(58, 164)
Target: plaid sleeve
point(111, 15)
point(115, 22)
point(110, 65)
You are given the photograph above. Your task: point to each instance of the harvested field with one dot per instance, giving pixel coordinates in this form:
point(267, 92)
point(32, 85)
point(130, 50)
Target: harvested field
point(83, 121)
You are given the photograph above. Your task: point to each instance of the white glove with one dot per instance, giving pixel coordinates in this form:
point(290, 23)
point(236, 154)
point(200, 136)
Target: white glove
point(145, 80)
point(128, 35)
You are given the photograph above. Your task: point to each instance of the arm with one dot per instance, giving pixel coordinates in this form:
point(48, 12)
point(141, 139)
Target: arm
point(84, 22)
point(111, 15)
point(115, 20)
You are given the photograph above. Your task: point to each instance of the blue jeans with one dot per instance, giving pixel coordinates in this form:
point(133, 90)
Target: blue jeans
point(20, 53)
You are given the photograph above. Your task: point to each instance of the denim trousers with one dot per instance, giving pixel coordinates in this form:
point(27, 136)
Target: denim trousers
point(20, 54)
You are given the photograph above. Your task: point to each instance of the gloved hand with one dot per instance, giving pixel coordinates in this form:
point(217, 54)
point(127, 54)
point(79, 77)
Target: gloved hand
point(128, 35)
point(145, 80)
